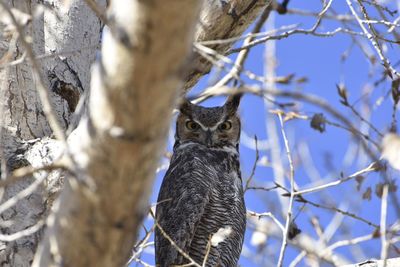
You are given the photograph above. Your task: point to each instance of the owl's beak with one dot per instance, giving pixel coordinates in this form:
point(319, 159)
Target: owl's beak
point(209, 140)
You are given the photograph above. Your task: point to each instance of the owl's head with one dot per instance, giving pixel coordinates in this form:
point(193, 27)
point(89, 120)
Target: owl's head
point(212, 127)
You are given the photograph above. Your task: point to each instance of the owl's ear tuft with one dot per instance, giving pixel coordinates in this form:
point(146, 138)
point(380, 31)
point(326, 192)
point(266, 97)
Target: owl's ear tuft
point(185, 106)
point(232, 103)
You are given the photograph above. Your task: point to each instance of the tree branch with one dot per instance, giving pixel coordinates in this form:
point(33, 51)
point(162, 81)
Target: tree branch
point(119, 144)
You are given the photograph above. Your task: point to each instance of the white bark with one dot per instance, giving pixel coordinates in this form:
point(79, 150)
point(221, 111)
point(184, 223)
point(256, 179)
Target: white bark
point(220, 20)
point(133, 92)
point(74, 33)
point(22, 115)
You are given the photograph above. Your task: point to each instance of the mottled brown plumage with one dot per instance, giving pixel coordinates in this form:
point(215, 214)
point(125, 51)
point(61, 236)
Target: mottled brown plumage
point(202, 190)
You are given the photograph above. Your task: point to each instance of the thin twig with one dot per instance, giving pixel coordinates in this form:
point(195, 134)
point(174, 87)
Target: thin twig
point(371, 37)
point(295, 32)
point(45, 56)
point(308, 98)
point(352, 131)
point(241, 58)
point(370, 168)
point(291, 198)
point(208, 249)
point(267, 214)
point(29, 170)
point(23, 193)
point(138, 248)
point(348, 242)
point(335, 209)
point(142, 262)
point(253, 170)
point(364, 120)
point(262, 188)
point(165, 235)
point(243, 37)
point(26, 232)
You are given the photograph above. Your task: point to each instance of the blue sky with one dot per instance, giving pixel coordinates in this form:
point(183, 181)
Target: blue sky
point(320, 59)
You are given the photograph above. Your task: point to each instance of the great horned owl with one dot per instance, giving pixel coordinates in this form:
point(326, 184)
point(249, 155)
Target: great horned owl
point(202, 192)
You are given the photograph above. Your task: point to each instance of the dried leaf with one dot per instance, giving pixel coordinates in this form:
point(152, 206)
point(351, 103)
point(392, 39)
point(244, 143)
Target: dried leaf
point(293, 230)
point(376, 233)
point(302, 80)
point(379, 190)
point(342, 91)
point(285, 79)
point(359, 180)
point(388, 71)
point(395, 90)
point(378, 166)
point(373, 59)
point(344, 55)
point(318, 122)
point(367, 194)
point(392, 187)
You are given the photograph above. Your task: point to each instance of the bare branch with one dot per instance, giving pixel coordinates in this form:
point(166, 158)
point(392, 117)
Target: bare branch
point(28, 171)
point(370, 168)
point(371, 37)
point(291, 197)
point(26, 232)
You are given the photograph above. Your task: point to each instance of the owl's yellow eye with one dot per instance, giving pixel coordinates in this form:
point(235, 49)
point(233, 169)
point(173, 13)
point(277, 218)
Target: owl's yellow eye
point(226, 125)
point(191, 125)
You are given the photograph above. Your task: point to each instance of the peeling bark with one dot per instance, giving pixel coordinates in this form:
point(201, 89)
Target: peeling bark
point(22, 117)
point(118, 144)
point(220, 20)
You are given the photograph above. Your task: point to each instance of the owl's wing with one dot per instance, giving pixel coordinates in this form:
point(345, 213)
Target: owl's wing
point(183, 197)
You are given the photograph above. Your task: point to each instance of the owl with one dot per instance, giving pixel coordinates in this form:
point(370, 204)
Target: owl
point(200, 204)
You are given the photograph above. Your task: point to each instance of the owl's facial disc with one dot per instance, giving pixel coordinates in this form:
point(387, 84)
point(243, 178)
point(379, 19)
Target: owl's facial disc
point(212, 127)
point(217, 135)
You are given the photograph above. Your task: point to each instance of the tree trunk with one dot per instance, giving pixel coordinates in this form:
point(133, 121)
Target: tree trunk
point(119, 142)
point(67, 77)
